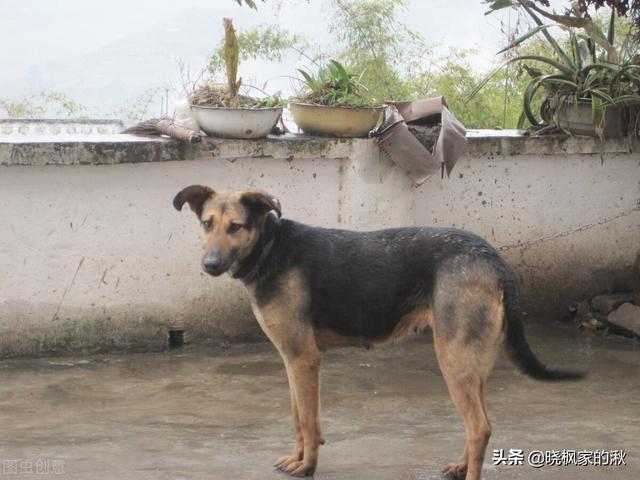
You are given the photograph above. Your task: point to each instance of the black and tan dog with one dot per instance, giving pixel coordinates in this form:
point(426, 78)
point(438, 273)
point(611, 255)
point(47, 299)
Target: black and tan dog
point(315, 288)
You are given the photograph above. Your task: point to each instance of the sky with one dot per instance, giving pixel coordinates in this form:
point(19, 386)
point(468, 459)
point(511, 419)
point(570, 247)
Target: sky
point(106, 54)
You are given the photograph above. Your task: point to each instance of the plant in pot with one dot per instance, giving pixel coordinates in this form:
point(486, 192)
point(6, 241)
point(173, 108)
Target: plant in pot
point(335, 103)
point(587, 86)
point(221, 111)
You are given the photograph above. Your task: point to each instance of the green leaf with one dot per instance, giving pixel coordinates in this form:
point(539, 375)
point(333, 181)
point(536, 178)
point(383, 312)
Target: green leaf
point(574, 48)
point(625, 51)
point(483, 82)
point(611, 34)
point(628, 99)
point(340, 69)
point(529, 92)
point(538, 58)
point(525, 36)
point(521, 120)
point(597, 115)
point(341, 75)
point(499, 5)
point(611, 67)
point(598, 71)
point(250, 3)
point(311, 82)
point(562, 68)
point(569, 20)
point(600, 94)
point(592, 50)
point(558, 49)
point(584, 53)
point(561, 81)
point(532, 71)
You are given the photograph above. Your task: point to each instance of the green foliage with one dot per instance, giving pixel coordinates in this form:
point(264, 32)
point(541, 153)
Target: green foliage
point(265, 42)
point(333, 85)
point(371, 40)
point(55, 104)
point(248, 3)
point(500, 104)
point(454, 79)
point(137, 109)
point(587, 65)
point(395, 63)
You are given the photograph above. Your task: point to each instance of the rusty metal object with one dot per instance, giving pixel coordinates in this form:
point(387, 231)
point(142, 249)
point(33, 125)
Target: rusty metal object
point(407, 137)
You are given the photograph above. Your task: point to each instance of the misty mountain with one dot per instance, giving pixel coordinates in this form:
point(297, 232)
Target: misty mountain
point(135, 65)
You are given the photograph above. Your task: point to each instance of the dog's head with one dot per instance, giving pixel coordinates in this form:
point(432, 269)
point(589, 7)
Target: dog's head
point(231, 223)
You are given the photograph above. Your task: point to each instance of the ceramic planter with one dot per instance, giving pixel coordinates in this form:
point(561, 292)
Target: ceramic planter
point(231, 122)
point(335, 121)
point(576, 118)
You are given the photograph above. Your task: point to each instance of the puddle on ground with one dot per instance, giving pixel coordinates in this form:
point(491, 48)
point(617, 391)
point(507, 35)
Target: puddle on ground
point(251, 368)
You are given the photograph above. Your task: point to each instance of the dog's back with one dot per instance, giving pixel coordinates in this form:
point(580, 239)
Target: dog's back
point(362, 284)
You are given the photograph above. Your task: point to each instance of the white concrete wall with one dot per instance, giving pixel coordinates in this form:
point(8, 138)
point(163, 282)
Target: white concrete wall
point(568, 223)
point(93, 255)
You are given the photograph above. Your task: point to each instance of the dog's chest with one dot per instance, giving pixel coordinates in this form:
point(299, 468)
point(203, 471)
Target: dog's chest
point(258, 314)
point(284, 312)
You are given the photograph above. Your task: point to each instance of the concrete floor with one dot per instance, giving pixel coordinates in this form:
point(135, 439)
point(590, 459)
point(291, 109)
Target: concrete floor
point(203, 412)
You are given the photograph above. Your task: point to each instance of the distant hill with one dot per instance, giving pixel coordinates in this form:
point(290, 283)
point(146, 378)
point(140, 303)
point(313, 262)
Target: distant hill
point(119, 73)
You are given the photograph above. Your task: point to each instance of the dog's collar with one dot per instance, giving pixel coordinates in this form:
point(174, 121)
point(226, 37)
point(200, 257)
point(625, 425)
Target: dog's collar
point(248, 271)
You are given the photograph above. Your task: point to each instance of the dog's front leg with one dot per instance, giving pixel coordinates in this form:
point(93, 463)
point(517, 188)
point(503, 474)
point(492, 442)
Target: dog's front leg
point(304, 376)
point(298, 447)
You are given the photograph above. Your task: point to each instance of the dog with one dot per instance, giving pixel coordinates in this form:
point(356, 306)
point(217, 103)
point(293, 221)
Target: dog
point(314, 288)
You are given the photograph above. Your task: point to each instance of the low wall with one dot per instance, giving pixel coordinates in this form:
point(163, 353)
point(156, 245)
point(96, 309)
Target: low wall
point(44, 126)
point(94, 256)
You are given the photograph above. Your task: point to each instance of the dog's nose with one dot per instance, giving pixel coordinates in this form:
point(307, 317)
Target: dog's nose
point(212, 264)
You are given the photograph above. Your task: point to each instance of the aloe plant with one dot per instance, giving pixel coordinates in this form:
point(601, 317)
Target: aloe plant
point(587, 67)
point(332, 84)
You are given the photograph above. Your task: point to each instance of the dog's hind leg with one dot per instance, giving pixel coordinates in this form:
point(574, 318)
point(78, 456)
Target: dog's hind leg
point(467, 393)
point(468, 330)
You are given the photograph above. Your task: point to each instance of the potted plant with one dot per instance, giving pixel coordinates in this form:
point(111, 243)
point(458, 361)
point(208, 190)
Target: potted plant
point(222, 111)
point(334, 103)
point(587, 86)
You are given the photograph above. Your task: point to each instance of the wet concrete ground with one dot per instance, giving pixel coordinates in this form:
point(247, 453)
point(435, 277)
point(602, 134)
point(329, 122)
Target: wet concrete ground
point(208, 413)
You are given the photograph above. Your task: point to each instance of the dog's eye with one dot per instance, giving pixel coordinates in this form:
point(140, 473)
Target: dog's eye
point(207, 224)
point(234, 227)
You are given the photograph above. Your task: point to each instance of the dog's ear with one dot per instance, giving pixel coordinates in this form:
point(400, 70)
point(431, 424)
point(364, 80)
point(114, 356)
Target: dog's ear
point(195, 196)
point(261, 202)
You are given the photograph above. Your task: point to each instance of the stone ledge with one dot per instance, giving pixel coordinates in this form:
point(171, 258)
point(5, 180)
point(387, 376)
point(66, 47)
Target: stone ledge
point(511, 142)
point(58, 127)
point(116, 149)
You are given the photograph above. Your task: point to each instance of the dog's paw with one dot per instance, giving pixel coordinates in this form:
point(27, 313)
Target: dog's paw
point(455, 471)
point(283, 462)
point(300, 468)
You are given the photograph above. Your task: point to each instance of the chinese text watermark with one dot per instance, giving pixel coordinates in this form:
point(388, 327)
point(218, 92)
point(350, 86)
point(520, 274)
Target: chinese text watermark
point(564, 458)
point(35, 466)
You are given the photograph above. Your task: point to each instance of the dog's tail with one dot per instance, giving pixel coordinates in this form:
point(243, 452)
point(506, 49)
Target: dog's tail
point(516, 345)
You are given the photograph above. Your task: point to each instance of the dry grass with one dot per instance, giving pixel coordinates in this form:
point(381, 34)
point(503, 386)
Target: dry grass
point(216, 96)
